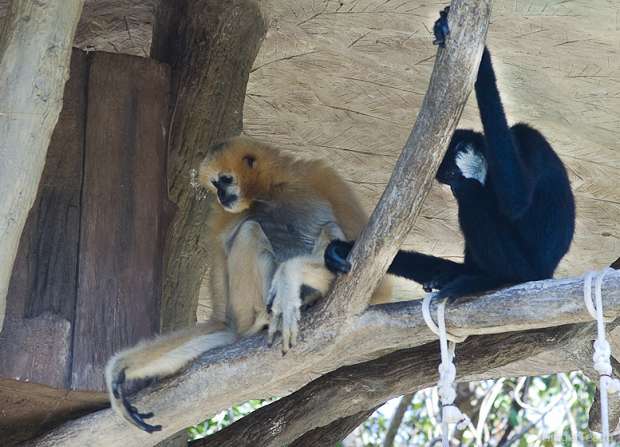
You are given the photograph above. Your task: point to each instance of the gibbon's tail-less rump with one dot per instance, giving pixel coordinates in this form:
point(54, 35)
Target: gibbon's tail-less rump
point(271, 220)
point(515, 206)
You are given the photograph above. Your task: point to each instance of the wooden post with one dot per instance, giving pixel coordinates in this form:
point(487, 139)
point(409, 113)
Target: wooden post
point(210, 45)
point(35, 51)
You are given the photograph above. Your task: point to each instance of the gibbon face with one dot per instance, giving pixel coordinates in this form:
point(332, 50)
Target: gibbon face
point(464, 159)
point(232, 170)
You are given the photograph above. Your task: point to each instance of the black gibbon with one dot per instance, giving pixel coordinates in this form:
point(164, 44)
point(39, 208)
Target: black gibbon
point(267, 232)
point(515, 206)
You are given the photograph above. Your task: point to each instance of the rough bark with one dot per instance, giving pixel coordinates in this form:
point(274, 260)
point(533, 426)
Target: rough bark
point(250, 369)
point(453, 76)
point(43, 290)
point(35, 51)
point(330, 406)
point(210, 46)
point(123, 220)
point(331, 434)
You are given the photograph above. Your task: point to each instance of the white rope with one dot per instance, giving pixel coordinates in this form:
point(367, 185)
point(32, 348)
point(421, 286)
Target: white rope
point(602, 351)
point(450, 414)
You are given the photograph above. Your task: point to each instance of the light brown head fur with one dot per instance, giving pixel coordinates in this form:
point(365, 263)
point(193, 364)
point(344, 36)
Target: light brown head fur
point(255, 170)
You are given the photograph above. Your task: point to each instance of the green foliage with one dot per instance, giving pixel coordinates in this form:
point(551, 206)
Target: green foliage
point(545, 411)
point(224, 419)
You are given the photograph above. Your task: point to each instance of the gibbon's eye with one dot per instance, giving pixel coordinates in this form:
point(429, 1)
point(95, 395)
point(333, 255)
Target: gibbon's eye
point(225, 179)
point(249, 160)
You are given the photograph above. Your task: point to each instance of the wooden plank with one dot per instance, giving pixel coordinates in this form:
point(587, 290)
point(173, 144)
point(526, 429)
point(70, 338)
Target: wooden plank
point(28, 409)
point(122, 226)
point(36, 340)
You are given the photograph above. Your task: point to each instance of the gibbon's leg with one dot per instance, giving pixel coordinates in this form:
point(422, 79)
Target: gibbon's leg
point(251, 265)
point(160, 357)
point(468, 285)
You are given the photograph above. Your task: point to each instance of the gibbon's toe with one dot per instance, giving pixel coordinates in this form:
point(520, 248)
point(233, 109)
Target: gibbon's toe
point(117, 379)
point(132, 414)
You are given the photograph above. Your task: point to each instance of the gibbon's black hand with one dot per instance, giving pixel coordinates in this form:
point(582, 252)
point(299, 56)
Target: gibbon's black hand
point(441, 29)
point(336, 255)
point(137, 418)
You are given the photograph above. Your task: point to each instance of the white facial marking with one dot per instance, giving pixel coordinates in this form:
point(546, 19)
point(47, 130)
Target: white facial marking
point(472, 164)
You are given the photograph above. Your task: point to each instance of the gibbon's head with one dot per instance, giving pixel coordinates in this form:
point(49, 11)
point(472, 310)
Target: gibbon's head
point(464, 159)
point(239, 171)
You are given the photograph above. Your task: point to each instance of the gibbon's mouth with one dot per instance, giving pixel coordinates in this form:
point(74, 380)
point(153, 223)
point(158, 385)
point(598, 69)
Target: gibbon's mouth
point(226, 200)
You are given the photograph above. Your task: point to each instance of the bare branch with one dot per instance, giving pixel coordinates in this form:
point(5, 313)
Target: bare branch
point(250, 370)
point(397, 420)
point(453, 76)
point(332, 404)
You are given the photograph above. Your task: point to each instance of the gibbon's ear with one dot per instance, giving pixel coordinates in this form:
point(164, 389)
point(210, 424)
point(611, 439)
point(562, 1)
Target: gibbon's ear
point(250, 161)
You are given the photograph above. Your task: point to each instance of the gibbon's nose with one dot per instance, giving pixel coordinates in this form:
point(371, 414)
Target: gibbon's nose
point(222, 182)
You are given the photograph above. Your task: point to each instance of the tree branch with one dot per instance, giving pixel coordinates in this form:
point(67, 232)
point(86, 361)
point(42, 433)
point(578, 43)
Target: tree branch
point(332, 404)
point(250, 370)
point(397, 420)
point(453, 76)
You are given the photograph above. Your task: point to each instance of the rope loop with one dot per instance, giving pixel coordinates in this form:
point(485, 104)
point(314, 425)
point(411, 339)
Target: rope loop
point(446, 387)
point(602, 351)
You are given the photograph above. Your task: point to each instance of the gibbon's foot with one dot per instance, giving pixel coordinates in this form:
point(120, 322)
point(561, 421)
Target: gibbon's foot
point(440, 281)
point(336, 255)
point(284, 305)
point(129, 412)
point(441, 29)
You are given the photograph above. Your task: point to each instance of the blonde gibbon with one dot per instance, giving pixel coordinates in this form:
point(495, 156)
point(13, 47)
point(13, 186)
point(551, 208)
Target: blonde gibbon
point(272, 221)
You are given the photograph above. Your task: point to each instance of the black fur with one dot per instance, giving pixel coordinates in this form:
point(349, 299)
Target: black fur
point(517, 225)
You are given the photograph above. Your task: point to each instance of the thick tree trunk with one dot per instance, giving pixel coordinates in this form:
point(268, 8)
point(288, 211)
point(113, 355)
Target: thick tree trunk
point(35, 51)
point(210, 45)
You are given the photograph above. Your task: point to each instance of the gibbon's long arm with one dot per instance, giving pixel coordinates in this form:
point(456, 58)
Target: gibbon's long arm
point(284, 302)
point(513, 184)
point(418, 267)
point(424, 269)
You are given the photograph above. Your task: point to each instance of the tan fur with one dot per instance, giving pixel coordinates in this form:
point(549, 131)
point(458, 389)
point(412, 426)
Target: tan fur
point(243, 270)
